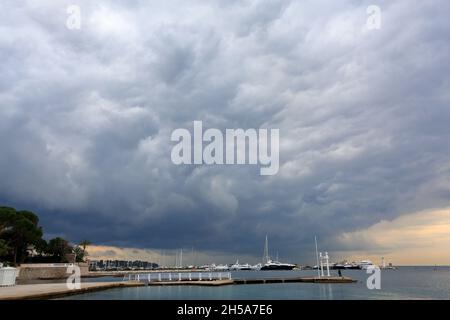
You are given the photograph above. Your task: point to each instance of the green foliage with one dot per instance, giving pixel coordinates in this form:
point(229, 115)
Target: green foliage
point(4, 249)
point(41, 247)
point(80, 253)
point(6, 217)
point(84, 244)
point(58, 248)
point(80, 250)
point(19, 229)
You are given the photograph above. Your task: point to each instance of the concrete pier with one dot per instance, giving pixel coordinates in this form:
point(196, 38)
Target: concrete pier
point(329, 280)
point(292, 280)
point(57, 290)
point(211, 283)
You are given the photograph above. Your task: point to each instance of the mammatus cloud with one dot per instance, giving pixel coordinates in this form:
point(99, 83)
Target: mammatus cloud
point(86, 117)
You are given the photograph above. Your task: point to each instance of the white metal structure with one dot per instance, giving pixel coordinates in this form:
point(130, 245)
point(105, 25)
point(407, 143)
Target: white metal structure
point(365, 264)
point(8, 276)
point(324, 258)
point(327, 261)
point(321, 264)
point(179, 276)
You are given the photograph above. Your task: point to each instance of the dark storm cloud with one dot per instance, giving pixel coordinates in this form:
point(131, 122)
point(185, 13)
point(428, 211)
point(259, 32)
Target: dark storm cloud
point(86, 117)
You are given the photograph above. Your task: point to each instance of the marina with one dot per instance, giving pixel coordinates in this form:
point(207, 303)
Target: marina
point(269, 275)
point(61, 289)
point(267, 264)
point(405, 283)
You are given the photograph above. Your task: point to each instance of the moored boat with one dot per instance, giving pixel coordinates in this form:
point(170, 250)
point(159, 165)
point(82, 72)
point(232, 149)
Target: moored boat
point(276, 265)
point(365, 264)
point(240, 267)
point(271, 264)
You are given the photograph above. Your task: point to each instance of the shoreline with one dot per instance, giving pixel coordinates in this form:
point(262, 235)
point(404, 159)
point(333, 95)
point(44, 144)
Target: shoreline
point(43, 291)
point(57, 290)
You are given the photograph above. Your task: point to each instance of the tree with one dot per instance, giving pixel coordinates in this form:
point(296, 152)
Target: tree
point(80, 253)
point(4, 249)
point(41, 246)
point(6, 217)
point(84, 244)
point(58, 248)
point(19, 229)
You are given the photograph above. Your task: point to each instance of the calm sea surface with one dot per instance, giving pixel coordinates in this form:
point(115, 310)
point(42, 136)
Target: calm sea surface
point(403, 283)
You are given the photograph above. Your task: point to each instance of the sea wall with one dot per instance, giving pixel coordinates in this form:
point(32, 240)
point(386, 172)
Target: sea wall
point(48, 271)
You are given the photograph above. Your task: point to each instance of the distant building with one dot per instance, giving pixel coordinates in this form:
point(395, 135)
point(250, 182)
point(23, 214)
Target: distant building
point(119, 265)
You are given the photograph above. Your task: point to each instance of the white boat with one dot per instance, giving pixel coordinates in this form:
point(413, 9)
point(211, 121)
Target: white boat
point(246, 266)
point(365, 264)
point(205, 267)
point(240, 267)
point(221, 267)
point(276, 265)
point(214, 267)
point(257, 267)
point(270, 264)
point(352, 265)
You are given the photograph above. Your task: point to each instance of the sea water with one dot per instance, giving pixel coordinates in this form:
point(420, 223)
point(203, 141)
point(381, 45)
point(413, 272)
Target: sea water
point(403, 283)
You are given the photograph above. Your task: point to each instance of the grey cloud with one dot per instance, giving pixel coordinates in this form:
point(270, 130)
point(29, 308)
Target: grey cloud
point(86, 117)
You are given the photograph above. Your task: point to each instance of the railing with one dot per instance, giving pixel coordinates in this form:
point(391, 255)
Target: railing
point(178, 276)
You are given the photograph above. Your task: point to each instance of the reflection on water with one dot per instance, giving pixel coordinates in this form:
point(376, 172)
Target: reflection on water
point(326, 291)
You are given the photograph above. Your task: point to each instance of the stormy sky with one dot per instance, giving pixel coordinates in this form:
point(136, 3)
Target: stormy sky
point(86, 117)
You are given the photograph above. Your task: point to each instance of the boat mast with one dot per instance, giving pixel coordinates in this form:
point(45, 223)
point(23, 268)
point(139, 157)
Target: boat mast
point(317, 257)
point(266, 251)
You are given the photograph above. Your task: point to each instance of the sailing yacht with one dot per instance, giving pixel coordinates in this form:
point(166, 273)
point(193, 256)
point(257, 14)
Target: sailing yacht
point(271, 264)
